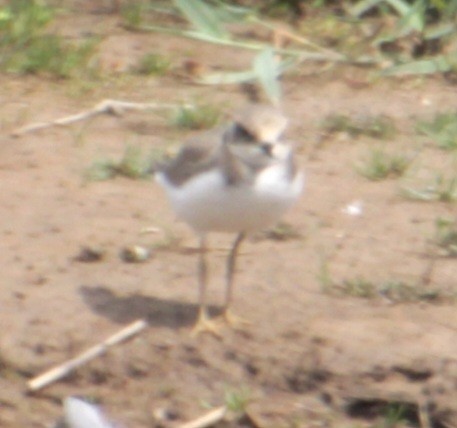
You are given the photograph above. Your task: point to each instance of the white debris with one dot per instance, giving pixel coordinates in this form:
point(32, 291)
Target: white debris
point(426, 101)
point(354, 209)
point(79, 414)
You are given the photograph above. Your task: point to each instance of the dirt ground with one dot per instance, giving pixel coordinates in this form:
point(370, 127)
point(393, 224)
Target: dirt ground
point(313, 356)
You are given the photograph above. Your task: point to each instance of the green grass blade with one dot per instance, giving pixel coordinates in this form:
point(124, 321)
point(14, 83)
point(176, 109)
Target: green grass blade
point(233, 13)
point(440, 63)
point(227, 78)
point(235, 77)
point(440, 30)
point(266, 69)
point(413, 19)
point(402, 7)
point(202, 17)
point(363, 6)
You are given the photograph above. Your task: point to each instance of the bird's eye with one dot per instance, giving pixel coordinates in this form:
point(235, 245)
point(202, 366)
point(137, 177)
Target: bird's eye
point(267, 148)
point(243, 134)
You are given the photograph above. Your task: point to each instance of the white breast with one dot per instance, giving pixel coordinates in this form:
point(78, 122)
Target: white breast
point(207, 203)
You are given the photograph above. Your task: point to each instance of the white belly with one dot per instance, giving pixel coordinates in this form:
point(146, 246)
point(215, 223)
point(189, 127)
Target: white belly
point(207, 203)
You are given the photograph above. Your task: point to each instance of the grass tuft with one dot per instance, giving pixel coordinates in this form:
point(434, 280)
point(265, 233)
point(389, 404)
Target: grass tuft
point(198, 117)
point(132, 13)
point(170, 242)
point(442, 190)
point(27, 49)
point(282, 231)
point(49, 54)
point(395, 291)
point(359, 287)
point(237, 400)
point(134, 164)
point(446, 237)
point(381, 165)
point(153, 64)
point(379, 127)
point(442, 129)
point(22, 21)
point(100, 170)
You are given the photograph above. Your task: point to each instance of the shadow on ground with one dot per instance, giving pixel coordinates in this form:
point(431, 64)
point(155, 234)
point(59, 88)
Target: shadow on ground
point(124, 309)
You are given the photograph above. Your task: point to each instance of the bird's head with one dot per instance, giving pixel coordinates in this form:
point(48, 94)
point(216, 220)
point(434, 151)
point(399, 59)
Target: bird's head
point(263, 123)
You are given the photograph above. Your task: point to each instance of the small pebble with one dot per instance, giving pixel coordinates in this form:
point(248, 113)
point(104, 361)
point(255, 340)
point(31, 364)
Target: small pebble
point(135, 254)
point(90, 254)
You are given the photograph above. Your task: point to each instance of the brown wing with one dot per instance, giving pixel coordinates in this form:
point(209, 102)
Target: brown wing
point(197, 155)
point(239, 157)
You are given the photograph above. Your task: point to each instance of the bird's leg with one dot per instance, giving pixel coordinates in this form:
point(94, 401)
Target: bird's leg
point(228, 316)
point(204, 323)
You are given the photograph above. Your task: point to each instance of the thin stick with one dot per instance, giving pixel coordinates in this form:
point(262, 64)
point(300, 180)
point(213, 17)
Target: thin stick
point(424, 418)
point(64, 369)
point(115, 107)
point(207, 420)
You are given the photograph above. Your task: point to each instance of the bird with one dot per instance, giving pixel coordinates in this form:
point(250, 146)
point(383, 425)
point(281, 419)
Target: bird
point(238, 178)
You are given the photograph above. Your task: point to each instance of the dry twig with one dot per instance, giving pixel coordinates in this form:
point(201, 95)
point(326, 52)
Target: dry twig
point(424, 418)
point(207, 420)
point(114, 107)
point(94, 352)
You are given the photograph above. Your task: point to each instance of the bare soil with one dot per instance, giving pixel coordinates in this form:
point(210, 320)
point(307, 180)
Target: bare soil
point(312, 356)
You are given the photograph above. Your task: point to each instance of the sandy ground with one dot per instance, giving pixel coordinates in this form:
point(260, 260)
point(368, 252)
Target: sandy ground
point(313, 355)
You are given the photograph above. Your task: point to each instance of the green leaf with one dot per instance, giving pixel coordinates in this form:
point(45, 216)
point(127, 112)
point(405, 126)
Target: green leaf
point(363, 6)
point(227, 78)
point(402, 7)
point(235, 77)
point(439, 63)
point(266, 69)
point(439, 30)
point(203, 17)
point(413, 19)
point(232, 13)
point(5, 14)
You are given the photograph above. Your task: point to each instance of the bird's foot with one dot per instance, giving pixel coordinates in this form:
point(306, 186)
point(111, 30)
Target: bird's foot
point(205, 324)
point(235, 321)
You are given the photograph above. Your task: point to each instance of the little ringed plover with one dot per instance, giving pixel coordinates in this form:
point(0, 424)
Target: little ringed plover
point(239, 179)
